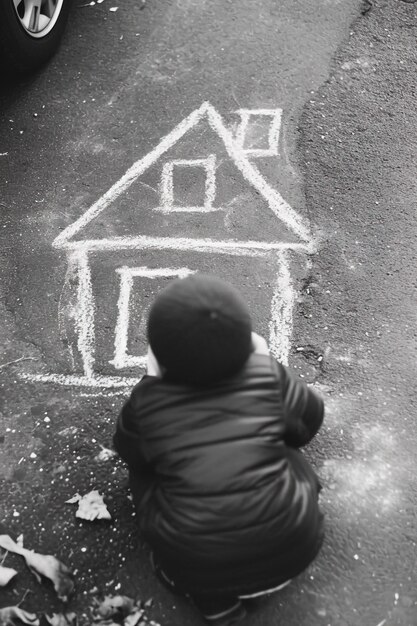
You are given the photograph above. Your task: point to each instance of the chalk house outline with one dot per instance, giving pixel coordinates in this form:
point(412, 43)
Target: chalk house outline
point(78, 250)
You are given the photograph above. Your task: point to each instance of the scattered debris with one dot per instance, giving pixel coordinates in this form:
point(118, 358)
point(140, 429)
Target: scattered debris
point(311, 353)
point(43, 565)
point(105, 454)
point(58, 468)
point(90, 506)
point(68, 432)
point(116, 610)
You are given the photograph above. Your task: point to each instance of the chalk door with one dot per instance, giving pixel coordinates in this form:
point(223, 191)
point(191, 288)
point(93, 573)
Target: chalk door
point(138, 287)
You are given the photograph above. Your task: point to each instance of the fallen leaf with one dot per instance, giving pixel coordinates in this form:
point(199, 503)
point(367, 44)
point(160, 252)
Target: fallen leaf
point(6, 574)
point(74, 499)
point(91, 506)
point(112, 606)
point(134, 618)
point(7, 543)
point(49, 566)
point(62, 619)
point(43, 565)
point(10, 615)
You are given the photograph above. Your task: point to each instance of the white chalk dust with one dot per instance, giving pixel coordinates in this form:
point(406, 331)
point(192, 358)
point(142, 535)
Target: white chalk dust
point(371, 476)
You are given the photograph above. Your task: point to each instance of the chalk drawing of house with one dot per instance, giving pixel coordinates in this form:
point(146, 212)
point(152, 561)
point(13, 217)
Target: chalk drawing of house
point(193, 203)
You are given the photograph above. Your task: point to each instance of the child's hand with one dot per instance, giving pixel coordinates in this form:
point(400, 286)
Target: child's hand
point(259, 344)
point(153, 368)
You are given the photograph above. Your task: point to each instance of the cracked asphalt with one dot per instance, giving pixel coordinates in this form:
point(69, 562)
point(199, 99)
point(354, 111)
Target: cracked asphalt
point(344, 75)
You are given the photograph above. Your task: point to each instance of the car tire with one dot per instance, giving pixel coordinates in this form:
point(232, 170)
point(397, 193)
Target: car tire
point(27, 39)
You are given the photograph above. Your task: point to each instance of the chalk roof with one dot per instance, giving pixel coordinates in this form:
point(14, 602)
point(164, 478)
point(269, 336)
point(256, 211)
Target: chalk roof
point(70, 237)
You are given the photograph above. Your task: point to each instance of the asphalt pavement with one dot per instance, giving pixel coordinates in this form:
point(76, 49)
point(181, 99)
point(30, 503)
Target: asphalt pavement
point(272, 145)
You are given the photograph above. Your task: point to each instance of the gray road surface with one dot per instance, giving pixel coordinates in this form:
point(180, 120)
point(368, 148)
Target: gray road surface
point(122, 81)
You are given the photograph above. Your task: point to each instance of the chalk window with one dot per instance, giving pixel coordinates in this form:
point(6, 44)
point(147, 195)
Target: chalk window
point(258, 132)
point(130, 307)
point(188, 185)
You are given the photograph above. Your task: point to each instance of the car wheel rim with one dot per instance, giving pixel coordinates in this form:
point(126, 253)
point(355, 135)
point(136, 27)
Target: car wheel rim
point(38, 17)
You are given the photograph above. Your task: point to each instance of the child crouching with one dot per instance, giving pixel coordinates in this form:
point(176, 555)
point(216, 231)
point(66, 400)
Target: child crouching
point(226, 501)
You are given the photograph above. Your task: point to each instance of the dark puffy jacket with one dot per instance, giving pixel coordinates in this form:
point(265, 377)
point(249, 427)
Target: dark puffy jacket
point(223, 496)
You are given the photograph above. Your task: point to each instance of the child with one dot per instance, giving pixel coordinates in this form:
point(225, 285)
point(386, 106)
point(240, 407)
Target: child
point(227, 503)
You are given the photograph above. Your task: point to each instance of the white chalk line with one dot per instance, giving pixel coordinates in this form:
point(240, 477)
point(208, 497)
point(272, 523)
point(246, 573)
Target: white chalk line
point(130, 176)
point(122, 359)
point(282, 305)
point(106, 393)
point(122, 324)
point(167, 184)
point(273, 133)
point(280, 324)
point(187, 209)
point(283, 299)
point(70, 380)
point(63, 312)
point(85, 315)
point(157, 272)
point(278, 205)
point(143, 242)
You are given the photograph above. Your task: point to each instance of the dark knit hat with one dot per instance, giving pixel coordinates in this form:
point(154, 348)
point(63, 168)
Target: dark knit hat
point(199, 329)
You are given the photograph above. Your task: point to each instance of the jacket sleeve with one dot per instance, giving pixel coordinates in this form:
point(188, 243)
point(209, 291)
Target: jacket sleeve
point(303, 408)
point(126, 440)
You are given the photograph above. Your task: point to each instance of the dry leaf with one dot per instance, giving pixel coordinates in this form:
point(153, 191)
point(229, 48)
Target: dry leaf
point(115, 605)
point(74, 499)
point(6, 574)
point(48, 566)
point(45, 565)
point(62, 619)
point(134, 618)
point(91, 506)
point(11, 615)
point(7, 543)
